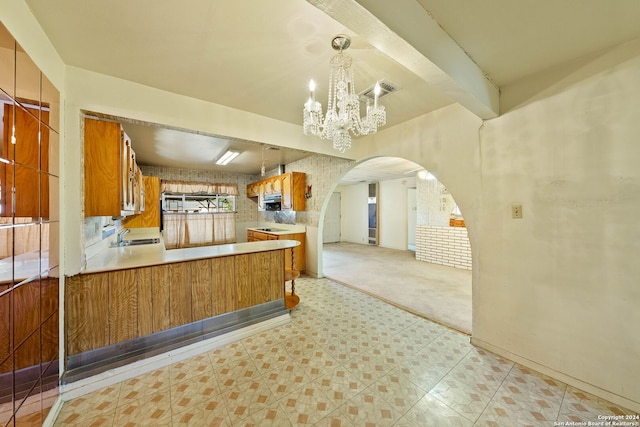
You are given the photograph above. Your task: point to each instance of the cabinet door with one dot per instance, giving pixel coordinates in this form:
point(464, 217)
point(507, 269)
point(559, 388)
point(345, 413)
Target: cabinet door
point(252, 190)
point(261, 192)
point(103, 176)
point(23, 176)
point(277, 184)
point(139, 190)
point(287, 196)
point(128, 174)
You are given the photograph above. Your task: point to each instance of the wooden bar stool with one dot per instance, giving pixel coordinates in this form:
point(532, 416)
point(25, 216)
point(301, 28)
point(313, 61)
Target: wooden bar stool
point(291, 274)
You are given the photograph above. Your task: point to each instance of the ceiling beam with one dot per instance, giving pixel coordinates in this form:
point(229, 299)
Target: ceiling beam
point(407, 33)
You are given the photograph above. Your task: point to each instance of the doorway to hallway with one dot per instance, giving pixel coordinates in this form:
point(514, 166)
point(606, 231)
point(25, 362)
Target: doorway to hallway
point(436, 292)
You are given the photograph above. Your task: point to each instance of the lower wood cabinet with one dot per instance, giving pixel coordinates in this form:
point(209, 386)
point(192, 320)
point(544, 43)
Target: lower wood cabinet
point(107, 308)
point(299, 257)
point(28, 324)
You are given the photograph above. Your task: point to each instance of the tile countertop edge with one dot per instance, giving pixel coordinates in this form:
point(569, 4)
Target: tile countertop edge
point(127, 257)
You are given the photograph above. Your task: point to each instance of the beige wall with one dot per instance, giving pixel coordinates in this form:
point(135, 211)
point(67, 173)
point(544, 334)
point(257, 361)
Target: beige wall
point(565, 277)
point(558, 289)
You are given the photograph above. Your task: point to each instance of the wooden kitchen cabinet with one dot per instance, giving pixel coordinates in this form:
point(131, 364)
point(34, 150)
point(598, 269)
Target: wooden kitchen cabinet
point(291, 185)
point(293, 191)
point(26, 157)
point(253, 189)
point(111, 187)
point(150, 216)
point(299, 252)
point(108, 308)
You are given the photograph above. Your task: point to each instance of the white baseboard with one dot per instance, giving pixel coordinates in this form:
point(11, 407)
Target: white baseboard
point(574, 382)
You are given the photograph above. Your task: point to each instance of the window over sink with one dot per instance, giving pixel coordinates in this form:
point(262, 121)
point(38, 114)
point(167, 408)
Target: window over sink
point(198, 214)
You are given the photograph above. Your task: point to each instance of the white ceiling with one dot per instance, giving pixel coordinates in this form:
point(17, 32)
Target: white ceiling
point(258, 56)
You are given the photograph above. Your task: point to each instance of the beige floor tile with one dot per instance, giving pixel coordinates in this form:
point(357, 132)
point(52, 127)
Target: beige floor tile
point(313, 365)
point(369, 409)
point(308, 405)
point(139, 413)
point(284, 379)
point(580, 406)
point(398, 390)
point(211, 412)
point(339, 385)
point(222, 355)
point(429, 411)
point(274, 416)
point(466, 399)
point(189, 368)
point(270, 356)
point(345, 359)
point(234, 372)
point(97, 404)
point(248, 398)
point(194, 391)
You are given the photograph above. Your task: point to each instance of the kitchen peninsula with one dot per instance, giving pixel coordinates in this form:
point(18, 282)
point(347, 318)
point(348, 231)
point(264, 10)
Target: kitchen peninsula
point(133, 301)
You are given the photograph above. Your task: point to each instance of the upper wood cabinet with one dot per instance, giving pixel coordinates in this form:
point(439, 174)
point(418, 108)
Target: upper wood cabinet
point(150, 217)
point(25, 148)
point(292, 186)
point(253, 189)
point(112, 181)
point(293, 191)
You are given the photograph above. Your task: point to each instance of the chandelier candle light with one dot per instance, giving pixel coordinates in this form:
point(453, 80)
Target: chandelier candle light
point(343, 105)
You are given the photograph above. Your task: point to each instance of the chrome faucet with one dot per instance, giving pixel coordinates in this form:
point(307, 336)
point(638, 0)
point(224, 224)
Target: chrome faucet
point(120, 240)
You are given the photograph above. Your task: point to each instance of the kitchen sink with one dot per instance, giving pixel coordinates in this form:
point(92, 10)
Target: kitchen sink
point(135, 242)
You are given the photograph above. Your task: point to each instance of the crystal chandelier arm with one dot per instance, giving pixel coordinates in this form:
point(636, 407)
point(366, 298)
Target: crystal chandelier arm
point(343, 106)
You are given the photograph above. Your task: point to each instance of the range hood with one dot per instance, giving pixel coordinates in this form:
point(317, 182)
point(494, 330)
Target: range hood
point(273, 198)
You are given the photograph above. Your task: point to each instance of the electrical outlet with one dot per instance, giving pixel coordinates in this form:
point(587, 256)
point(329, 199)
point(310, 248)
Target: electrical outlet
point(516, 211)
point(96, 227)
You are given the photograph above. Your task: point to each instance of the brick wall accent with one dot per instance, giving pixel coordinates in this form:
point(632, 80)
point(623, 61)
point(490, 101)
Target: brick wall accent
point(443, 245)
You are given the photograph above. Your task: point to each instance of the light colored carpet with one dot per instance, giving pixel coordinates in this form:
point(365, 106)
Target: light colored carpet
point(439, 293)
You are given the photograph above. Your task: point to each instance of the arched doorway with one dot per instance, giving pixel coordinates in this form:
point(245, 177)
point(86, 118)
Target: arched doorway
point(434, 281)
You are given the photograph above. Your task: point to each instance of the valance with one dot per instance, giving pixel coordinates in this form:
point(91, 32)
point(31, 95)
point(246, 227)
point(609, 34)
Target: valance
point(186, 187)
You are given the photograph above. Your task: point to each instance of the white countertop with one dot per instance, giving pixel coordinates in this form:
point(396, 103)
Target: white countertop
point(279, 229)
point(24, 266)
point(124, 257)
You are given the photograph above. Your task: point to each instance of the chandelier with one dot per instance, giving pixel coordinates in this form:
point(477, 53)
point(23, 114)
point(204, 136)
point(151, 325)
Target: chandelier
point(343, 106)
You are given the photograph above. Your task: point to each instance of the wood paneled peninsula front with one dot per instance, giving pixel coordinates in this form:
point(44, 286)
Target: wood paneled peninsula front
point(133, 298)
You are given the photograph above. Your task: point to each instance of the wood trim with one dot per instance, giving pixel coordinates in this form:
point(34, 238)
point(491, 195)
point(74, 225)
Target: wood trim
point(180, 301)
point(277, 274)
point(201, 289)
point(223, 275)
point(260, 278)
point(145, 301)
point(123, 305)
point(87, 312)
point(160, 283)
point(243, 282)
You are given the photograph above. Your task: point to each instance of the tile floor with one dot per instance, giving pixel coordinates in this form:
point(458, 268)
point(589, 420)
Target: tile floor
point(346, 359)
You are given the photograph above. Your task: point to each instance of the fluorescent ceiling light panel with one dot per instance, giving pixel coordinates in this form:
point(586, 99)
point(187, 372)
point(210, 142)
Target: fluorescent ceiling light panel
point(227, 157)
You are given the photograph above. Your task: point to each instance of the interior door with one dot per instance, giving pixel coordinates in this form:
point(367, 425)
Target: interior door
point(331, 231)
